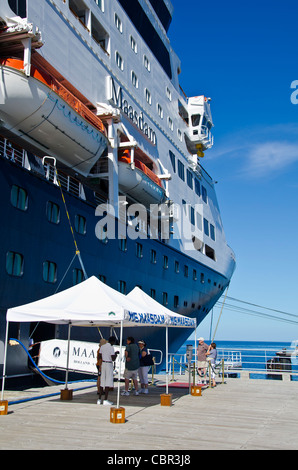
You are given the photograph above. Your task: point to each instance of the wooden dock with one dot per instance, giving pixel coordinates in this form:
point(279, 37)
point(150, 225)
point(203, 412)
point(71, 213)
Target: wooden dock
point(236, 415)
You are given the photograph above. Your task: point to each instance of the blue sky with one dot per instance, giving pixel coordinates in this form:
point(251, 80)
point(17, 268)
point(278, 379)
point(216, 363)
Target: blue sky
point(244, 55)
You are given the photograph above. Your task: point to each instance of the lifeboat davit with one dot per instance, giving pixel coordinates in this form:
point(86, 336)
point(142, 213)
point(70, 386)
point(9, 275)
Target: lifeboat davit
point(139, 182)
point(41, 111)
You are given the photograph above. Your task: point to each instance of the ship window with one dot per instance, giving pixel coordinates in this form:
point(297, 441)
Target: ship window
point(99, 34)
point(165, 298)
point(179, 133)
point(19, 198)
point(139, 250)
point(173, 160)
point(148, 96)
point(176, 266)
point(192, 215)
point(206, 227)
point(181, 170)
point(118, 23)
point(153, 293)
point(160, 111)
point(100, 4)
point(147, 63)
point(194, 274)
point(119, 61)
point(195, 120)
point(197, 187)
point(102, 278)
point(122, 287)
point(134, 80)
point(18, 7)
point(165, 262)
point(123, 244)
point(169, 94)
point(212, 232)
point(49, 272)
point(170, 123)
point(77, 276)
point(14, 264)
point(176, 301)
point(153, 256)
point(79, 9)
point(80, 224)
point(199, 221)
point(204, 194)
point(53, 212)
point(189, 179)
point(202, 278)
point(185, 270)
point(133, 44)
point(210, 252)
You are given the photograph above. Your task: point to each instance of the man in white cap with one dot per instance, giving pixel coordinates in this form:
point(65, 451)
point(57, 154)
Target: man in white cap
point(202, 362)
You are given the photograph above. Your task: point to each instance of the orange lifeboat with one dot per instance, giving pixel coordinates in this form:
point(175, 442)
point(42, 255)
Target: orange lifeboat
point(44, 113)
point(139, 182)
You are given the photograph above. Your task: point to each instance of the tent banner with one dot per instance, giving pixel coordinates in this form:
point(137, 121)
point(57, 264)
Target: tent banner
point(146, 318)
point(182, 321)
point(82, 355)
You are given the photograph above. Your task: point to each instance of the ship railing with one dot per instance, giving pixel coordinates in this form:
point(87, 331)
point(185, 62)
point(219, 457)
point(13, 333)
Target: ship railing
point(256, 363)
point(12, 153)
point(68, 183)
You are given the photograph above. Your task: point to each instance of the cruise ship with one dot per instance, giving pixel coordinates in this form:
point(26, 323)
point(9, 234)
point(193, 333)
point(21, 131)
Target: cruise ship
point(101, 170)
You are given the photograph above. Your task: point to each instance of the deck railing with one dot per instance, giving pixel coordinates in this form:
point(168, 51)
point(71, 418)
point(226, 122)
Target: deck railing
point(244, 363)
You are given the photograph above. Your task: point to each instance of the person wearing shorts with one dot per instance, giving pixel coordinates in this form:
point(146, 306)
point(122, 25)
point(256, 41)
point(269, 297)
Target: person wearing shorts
point(132, 364)
point(202, 363)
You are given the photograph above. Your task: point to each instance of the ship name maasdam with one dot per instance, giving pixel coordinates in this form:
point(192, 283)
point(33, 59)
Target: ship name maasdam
point(116, 98)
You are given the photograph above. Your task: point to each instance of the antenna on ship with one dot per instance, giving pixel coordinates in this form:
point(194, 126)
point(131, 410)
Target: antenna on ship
point(78, 254)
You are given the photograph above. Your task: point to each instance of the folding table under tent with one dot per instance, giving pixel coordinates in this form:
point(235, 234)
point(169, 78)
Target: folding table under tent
point(93, 303)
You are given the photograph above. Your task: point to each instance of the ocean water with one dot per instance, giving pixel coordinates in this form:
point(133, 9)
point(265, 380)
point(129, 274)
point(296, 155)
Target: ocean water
point(253, 355)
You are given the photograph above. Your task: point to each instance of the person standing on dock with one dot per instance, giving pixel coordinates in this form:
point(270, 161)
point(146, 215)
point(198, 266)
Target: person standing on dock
point(108, 355)
point(212, 355)
point(202, 362)
point(132, 365)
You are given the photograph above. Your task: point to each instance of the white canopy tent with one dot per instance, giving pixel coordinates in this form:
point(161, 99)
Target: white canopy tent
point(93, 303)
point(174, 319)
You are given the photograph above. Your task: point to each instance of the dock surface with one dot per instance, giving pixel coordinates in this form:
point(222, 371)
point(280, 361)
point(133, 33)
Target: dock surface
point(239, 414)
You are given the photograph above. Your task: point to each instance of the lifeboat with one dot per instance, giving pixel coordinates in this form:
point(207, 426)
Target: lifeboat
point(41, 111)
point(139, 182)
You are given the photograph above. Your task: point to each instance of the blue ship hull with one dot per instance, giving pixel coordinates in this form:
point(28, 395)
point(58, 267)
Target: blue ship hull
point(29, 233)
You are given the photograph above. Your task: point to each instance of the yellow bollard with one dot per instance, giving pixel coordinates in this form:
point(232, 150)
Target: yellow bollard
point(166, 399)
point(66, 394)
point(3, 407)
point(196, 391)
point(117, 415)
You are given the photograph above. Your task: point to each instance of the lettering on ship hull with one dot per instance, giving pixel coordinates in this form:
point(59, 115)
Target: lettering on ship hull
point(117, 98)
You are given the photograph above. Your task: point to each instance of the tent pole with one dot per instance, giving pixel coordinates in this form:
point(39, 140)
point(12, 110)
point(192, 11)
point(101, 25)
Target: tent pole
point(167, 363)
point(67, 361)
point(120, 362)
point(195, 371)
point(4, 362)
